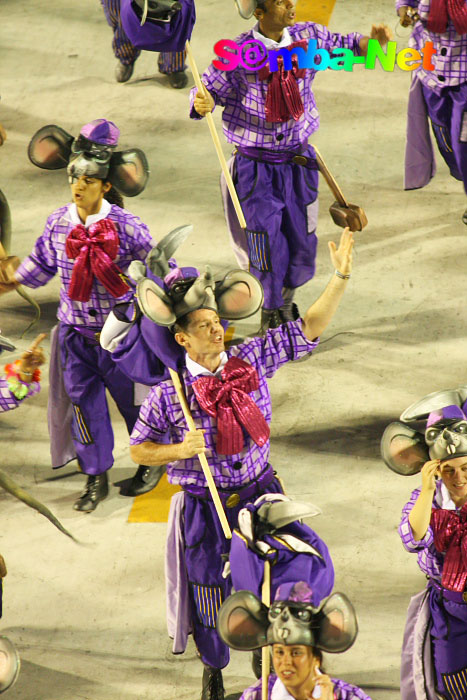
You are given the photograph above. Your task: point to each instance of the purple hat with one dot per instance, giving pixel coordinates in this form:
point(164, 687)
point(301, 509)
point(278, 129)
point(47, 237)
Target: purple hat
point(295, 591)
point(101, 131)
point(446, 413)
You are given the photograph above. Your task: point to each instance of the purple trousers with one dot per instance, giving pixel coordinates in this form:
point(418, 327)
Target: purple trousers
point(280, 205)
point(448, 115)
point(206, 551)
point(88, 370)
point(168, 62)
point(449, 642)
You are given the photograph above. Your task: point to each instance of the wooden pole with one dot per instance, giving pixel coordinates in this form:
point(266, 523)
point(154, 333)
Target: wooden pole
point(202, 457)
point(215, 138)
point(265, 654)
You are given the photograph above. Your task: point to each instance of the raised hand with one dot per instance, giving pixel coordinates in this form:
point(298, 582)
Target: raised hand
point(382, 33)
point(429, 472)
point(341, 257)
point(32, 359)
point(203, 103)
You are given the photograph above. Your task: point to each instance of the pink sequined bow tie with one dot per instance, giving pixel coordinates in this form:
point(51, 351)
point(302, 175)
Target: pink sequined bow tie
point(227, 399)
point(283, 99)
point(95, 249)
point(441, 10)
point(450, 536)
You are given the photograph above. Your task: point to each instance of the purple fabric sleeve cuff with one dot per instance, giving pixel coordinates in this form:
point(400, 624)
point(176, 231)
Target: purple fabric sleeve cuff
point(408, 3)
point(31, 274)
point(408, 540)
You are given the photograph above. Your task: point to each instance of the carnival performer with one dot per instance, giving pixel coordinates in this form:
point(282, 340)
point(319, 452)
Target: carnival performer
point(439, 89)
point(269, 116)
point(434, 527)
point(90, 244)
point(232, 432)
point(22, 377)
point(170, 63)
point(307, 629)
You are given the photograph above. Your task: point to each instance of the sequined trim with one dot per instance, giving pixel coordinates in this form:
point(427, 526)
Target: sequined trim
point(456, 684)
point(258, 246)
point(208, 600)
point(81, 432)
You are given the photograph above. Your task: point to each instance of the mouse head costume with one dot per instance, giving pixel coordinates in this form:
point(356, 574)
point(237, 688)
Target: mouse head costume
point(442, 435)
point(167, 293)
point(93, 153)
point(245, 623)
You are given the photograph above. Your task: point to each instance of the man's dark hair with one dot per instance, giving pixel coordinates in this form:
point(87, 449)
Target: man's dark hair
point(182, 323)
point(114, 197)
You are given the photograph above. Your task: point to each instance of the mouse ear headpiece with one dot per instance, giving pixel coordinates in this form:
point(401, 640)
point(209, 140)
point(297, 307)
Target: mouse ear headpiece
point(245, 623)
point(246, 8)
point(10, 664)
point(403, 449)
point(435, 401)
point(5, 344)
point(92, 153)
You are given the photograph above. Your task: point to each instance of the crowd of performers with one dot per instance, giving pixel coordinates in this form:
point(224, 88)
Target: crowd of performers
point(130, 315)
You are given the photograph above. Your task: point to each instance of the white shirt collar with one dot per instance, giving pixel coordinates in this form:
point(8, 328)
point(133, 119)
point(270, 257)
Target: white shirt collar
point(73, 215)
point(270, 43)
point(443, 498)
point(279, 691)
point(197, 370)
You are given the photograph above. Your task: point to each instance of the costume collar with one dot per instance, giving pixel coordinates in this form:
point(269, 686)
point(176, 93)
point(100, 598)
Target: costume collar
point(279, 691)
point(443, 498)
point(197, 370)
point(73, 216)
point(270, 43)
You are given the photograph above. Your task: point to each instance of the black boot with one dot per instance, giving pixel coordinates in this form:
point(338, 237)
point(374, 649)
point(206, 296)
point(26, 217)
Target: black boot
point(96, 489)
point(213, 687)
point(144, 480)
point(270, 318)
point(178, 80)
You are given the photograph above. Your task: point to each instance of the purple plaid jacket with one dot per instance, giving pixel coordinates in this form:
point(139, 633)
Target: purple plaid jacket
point(450, 60)
point(430, 560)
point(161, 418)
point(8, 401)
point(342, 691)
point(243, 96)
point(49, 258)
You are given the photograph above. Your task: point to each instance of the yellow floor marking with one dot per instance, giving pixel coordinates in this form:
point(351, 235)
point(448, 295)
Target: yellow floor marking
point(153, 507)
point(318, 11)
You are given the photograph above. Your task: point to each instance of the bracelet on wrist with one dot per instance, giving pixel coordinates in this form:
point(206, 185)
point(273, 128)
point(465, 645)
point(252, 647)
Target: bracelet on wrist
point(13, 371)
point(339, 274)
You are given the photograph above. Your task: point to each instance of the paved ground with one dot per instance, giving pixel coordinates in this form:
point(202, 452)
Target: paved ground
point(89, 621)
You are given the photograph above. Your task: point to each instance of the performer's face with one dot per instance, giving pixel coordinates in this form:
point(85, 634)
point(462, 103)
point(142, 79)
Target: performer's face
point(204, 334)
point(454, 475)
point(88, 193)
point(295, 665)
point(279, 14)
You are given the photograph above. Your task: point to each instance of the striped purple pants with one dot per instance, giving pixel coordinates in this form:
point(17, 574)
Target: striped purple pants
point(168, 62)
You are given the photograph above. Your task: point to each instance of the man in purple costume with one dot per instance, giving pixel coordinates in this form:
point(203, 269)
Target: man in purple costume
point(444, 89)
point(90, 244)
point(270, 117)
point(238, 455)
point(298, 632)
point(434, 527)
point(170, 62)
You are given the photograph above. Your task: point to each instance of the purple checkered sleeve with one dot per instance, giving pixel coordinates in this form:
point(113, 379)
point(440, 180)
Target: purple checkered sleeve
point(161, 418)
point(7, 401)
point(429, 560)
point(342, 690)
point(49, 258)
point(243, 96)
point(450, 60)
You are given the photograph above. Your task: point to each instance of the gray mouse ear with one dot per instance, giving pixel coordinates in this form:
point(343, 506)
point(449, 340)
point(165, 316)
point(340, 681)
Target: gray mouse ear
point(238, 295)
point(242, 621)
point(155, 303)
point(246, 8)
point(129, 171)
point(50, 147)
point(338, 626)
point(9, 669)
point(403, 449)
point(435, 402)
point(157, 259)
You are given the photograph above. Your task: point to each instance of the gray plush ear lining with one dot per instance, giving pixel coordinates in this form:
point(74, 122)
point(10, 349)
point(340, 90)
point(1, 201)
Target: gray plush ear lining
point(50, 147)
point(246, 8)
point(238, 295)
point(435, 402)
point(129, 171)
point(242, 621)
point(337, 626)
point(403, 449)
point(10, 664)
point(157, 259)
point(154, 303)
